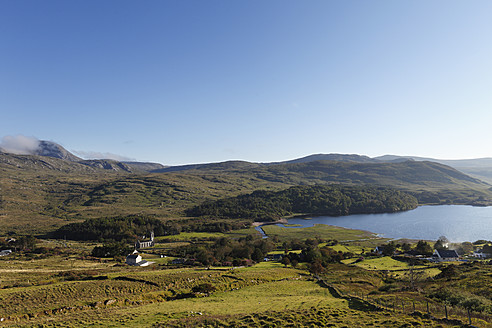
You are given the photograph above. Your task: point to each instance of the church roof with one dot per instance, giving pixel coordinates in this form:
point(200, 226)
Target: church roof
point(447, 253)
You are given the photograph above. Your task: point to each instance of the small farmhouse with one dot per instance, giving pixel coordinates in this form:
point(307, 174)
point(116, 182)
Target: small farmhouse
point(379, 249)
point(145, 243)
point(480, 254)
point(136, 260)
point(274, 257)
point(5, 252)
point(445, 255)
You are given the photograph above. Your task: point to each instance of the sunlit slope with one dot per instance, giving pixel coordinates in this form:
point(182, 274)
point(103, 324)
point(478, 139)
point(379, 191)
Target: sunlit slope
point(39, 194)
point(409, 174)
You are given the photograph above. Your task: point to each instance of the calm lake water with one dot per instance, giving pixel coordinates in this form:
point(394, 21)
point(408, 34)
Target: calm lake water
point(457, 222)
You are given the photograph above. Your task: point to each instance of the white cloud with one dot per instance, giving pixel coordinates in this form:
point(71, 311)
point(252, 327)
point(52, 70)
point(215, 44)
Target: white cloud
point(19, 144)
point(99, 155)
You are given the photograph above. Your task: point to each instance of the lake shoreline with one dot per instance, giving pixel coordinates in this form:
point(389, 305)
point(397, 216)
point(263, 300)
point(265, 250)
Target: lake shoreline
point(426, 222)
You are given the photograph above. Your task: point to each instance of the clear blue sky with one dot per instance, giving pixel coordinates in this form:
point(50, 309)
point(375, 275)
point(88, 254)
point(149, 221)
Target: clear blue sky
point(202, 81)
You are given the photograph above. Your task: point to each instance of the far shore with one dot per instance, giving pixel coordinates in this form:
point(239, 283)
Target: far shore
point(259, 224)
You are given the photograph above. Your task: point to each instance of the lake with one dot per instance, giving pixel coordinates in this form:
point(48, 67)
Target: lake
point(457, 222)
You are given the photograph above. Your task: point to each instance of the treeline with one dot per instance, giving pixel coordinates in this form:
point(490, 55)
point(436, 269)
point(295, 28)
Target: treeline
point(248, 250)
point(116, 229)
point(333, 200)
point(211, 225)
point(227, 251)
point(112, 249)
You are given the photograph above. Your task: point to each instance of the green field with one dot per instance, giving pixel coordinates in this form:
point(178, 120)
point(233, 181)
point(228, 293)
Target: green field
point(322, 231)
point(264, 295)
point(68, 290)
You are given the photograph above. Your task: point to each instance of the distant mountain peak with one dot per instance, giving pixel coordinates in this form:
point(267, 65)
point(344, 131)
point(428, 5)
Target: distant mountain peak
point(52, 149)
point(21, 145)
point(333, 157)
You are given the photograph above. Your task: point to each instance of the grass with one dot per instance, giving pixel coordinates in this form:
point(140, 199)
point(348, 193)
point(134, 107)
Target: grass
point(186, 236)
point(263, 295)
point(348, 248)
point(37, 199)
point(394, 268)
point(383, 263)
point(137, 286)
point(197, 236)
point(319, 230)
point(250, 297)
point(242, 232)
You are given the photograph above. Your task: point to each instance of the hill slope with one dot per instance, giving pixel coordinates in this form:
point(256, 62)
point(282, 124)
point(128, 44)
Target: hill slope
point(39, 194)
point(479, 167)
point(408, 174)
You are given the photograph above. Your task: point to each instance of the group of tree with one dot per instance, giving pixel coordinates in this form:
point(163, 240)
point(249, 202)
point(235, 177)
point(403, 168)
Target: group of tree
point(20, 243)
point(424, 248)
point(112, 249)
point(116, 229)
point(211, 225)
point(334, 200)
point(317, 258)
point(225, 251)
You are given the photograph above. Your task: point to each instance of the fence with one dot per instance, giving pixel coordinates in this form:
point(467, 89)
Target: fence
point(425, 308)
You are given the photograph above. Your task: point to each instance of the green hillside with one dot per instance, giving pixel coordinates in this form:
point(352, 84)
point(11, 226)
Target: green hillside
point(39, 194)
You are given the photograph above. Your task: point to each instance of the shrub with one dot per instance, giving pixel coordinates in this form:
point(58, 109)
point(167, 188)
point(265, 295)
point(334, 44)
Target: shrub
point(203, 288)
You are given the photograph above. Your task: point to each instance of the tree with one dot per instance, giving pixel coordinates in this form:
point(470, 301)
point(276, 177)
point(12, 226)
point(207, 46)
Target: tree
point(423, 248)
point(26, 242)
point(203, 288)
point(111, 250)
point(441, 243)
point(448, 272)
point(285, 261)
point(257, 255)
point(414, 276)
point(487, 249)
point(406, 247)
point(465, 248)
point(204, 256)
point(389, 249)
point(316, 267)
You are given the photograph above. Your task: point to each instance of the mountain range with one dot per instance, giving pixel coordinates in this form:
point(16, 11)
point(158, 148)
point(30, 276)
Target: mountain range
point(480, 168)
point(50, 187)
point(53, 150)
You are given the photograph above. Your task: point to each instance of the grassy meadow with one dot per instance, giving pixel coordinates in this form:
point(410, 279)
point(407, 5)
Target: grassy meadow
point(70, 289)
point(267, 295)
point(322, 231)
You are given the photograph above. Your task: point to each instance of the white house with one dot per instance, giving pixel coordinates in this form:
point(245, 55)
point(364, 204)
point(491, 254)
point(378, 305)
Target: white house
point(445, 255)
point(379, 249)
point(5, 252)
point(136, 260)
point(480, 254)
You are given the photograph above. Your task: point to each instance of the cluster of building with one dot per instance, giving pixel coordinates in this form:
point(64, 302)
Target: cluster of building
point(6, 252)
point(439, 255)
point(135, 259)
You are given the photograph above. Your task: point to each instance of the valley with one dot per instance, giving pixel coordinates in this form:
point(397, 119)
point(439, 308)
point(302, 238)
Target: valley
point(209, 266)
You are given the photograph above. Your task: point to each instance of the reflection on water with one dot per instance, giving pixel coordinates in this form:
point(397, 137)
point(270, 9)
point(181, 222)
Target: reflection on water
point(457, 222)
point(260, 230)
